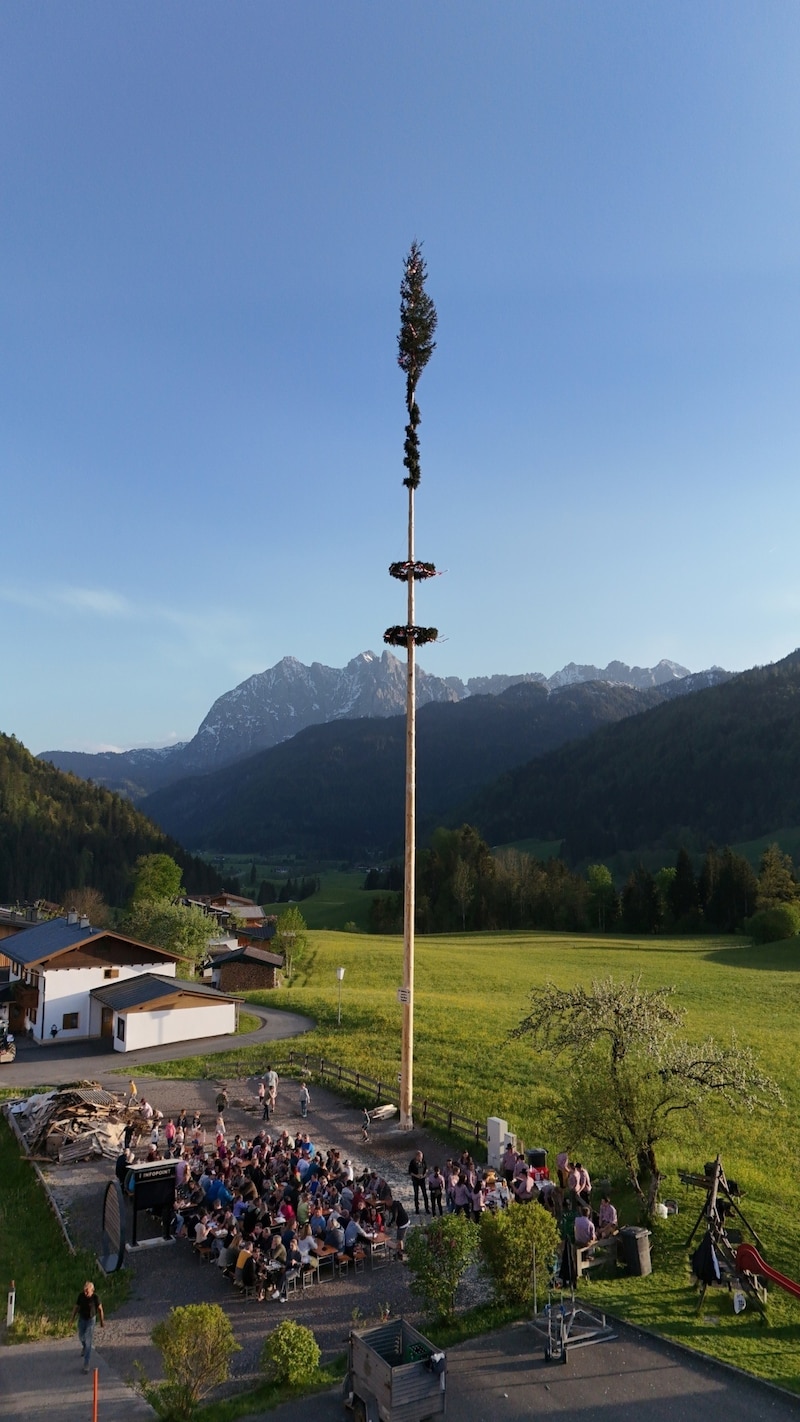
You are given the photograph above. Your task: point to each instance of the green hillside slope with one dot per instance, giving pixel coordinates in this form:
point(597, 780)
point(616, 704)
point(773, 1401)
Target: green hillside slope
point(722, 765)
point(59, 833)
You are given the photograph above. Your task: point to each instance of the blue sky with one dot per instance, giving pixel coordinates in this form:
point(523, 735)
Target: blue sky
point(205, 213)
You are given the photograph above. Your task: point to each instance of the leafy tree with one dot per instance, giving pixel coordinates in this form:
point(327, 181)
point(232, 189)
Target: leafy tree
point(682, 897)
point(773, 925)
point(645, 1075)
point(603, 899)
point(196, 1343)
point(641, 904)
point(266, 892)
point(157, 877)
point(290, 1354)
point(439, 1256)
point(291, 939)
point(512, 1241)
point(89, 903)
point(776, 881)
point(733, 889)
point(463, 885)
point(180, 928)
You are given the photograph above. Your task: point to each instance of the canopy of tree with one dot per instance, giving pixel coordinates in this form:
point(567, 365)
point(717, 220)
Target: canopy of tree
point(58, 833)
point(643, 1071)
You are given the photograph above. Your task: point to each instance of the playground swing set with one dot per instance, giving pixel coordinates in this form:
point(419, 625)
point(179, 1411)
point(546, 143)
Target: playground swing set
point(723, 1258)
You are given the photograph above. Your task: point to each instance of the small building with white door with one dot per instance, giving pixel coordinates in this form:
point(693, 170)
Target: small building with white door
point(150, 1010)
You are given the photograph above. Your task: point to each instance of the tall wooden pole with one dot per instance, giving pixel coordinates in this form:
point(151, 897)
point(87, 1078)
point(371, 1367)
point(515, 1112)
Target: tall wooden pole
point(416, 345)
point(409, 883)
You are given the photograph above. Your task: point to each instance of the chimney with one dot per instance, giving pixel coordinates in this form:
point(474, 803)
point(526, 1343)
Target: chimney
point(72, 917)
point(84, 923)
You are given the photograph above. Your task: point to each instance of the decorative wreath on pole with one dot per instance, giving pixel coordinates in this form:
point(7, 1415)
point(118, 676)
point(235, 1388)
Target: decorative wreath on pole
point(405, 570)
point(408, 635)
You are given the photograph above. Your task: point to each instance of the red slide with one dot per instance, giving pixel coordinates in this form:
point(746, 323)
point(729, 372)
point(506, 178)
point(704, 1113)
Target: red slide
point(749, 1261)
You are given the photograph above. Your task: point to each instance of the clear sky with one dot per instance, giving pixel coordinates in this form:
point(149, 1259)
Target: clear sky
point(205, 209)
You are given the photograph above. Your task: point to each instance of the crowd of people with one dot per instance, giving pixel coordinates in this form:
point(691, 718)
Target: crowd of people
point(267, 1208)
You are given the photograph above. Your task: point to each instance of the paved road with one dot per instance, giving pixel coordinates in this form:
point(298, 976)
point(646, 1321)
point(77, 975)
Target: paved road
point(499, 1378)
point(56, 1062)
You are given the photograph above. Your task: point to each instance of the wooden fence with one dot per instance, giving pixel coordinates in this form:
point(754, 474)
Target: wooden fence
point(371, 1086)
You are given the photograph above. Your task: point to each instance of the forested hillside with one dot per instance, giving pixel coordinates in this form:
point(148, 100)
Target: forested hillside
point(722, 765)
point(337, 790)
point(58, 833)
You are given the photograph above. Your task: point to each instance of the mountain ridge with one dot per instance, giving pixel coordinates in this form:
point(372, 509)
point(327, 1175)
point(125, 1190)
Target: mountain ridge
point(271, 706)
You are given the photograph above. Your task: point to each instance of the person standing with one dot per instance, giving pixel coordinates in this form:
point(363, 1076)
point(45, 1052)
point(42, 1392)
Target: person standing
point(418, 1171)
point(305, 1100)
point(87, 1308)
point(272, 1091)
point(262, 1098)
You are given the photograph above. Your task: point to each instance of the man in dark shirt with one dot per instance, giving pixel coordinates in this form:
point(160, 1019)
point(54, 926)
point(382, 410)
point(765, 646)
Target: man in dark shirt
point(418, 1171)
point(395, 1213)
point(87, 1307)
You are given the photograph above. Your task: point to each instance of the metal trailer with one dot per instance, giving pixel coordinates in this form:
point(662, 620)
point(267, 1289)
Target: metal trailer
point(394, 1375)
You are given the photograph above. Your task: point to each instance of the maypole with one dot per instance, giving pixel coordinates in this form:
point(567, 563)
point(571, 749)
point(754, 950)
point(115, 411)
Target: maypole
point(415, 348)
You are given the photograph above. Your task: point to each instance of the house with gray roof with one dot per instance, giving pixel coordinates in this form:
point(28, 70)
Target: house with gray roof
point(56, 968)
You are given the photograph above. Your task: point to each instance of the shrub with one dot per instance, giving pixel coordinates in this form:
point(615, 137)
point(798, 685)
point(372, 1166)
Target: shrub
point(196, 1342)
point(290, 1354)
point(774, 924)
point(510, 1241)
point(438, 1256)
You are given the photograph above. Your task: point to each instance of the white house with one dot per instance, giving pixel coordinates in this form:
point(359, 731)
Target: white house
point(152, 1009)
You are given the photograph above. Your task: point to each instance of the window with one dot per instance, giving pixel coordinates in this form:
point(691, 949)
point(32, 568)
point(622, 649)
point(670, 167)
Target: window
point(121, 1029)
point(69, 1021)
point(111, 973)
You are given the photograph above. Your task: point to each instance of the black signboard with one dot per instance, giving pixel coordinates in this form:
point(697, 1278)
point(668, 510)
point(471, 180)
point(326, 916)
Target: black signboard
point(152, 1186)
point(113, 1255)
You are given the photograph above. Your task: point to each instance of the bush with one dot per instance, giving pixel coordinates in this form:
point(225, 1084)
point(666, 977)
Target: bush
point(290, 1354)
point(197, 1344)
point(510, 1241)
point(774, 924)
point(439, 1256)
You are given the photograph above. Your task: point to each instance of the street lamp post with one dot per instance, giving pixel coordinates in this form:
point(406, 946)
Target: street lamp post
point(340, 975)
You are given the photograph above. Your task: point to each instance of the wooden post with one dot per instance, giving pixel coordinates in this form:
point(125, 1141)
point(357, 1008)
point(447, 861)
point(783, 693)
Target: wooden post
point(409, 896)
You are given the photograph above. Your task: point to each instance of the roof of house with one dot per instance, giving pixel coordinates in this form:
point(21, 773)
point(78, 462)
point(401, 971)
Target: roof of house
point(264, 932)
point(151, 989)
point(48, 940)
point(248, 954)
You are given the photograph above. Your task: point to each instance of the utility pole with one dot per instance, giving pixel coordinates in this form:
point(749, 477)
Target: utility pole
point(415, 348)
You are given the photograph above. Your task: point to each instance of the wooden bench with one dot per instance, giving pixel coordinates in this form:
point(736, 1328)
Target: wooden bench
point(588, 1256)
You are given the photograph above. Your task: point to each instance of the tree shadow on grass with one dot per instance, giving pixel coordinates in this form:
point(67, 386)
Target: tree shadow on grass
point(781, 957)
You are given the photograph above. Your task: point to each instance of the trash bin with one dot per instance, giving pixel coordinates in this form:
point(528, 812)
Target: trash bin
point(636, 1249)
point(537, 1159)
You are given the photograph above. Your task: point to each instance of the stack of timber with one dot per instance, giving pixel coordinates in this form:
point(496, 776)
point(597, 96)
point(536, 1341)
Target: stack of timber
point(75, 1122)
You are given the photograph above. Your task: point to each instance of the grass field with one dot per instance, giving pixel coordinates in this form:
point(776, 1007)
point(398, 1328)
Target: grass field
point(33, 1253)
point(472, 989)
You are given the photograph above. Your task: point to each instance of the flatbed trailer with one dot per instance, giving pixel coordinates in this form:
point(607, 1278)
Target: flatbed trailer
point(394, 1374)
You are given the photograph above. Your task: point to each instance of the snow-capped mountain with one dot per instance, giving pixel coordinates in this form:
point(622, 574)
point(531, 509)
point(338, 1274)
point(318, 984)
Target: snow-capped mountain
point(275, 704)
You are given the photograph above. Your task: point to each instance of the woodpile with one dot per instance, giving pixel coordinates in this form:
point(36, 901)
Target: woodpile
point(75, 1122)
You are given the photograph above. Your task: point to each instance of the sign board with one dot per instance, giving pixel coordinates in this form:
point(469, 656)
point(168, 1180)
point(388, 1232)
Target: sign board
point(152, 1187)
point(113, 1253)
point(403, 995)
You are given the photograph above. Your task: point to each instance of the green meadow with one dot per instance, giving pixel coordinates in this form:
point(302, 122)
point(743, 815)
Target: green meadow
point(471, 990)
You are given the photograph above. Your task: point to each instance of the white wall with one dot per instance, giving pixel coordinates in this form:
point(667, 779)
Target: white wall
point(68, 989)
point(177, 1024)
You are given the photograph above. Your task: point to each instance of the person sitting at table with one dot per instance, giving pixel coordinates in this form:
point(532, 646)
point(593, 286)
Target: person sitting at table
point(354, 1236)
point(607, 1223)
point(334, 1234)
point(307, 1246)
point(291, 1270)
point(585, 1232)
point(525, 1188)
point(318, 1222)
